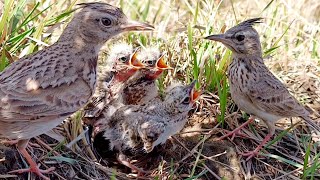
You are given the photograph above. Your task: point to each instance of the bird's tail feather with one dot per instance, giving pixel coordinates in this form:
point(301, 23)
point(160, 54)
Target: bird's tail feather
point(312, 123)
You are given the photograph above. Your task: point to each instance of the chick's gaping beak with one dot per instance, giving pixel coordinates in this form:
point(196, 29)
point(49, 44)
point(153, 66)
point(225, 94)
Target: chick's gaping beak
point(161, 64)
point(194, 94)
point(136, 26)
point(135, 63)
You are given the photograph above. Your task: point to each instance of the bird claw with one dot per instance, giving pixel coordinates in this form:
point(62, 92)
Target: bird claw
point(237, 130)
point(123, 160)
point(250, 154)
point(9, 142)
point(35, 170)
point(233, 134)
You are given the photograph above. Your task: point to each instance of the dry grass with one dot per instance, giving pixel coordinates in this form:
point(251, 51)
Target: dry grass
point(291, 39)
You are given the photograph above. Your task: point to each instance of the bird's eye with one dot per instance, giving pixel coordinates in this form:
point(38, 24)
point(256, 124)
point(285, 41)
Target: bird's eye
point(106, 21)
point(123, 59)
point(240, 37)
point(186, 100)
point(150, 62)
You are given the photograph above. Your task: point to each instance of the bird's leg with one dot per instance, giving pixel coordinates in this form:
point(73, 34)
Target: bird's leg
point(255, 152)
point(237, 130)
point(123, 160)
point(33, 166)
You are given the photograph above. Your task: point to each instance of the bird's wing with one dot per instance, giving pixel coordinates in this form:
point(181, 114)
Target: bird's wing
point(32, 88)
point(101, 96)
point(125, 115)
point(120, 127)
point(95, 107)
point(268, 93)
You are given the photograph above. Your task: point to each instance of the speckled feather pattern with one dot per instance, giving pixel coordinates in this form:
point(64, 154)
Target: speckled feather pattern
point(40, 90)
point(43, 89)
point(140, 89)
point(252, 86)
point(150, 124)
point(252, 81)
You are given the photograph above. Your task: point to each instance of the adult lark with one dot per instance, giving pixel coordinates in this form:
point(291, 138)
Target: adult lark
point(39, 91)
point(252, 86)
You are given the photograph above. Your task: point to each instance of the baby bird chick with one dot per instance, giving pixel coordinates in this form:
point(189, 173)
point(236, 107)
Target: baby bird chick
point(142, 88)
point(111, 79)
point(139, 128)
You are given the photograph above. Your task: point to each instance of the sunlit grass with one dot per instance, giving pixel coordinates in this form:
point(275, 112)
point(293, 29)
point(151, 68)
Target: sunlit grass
point(23, 26)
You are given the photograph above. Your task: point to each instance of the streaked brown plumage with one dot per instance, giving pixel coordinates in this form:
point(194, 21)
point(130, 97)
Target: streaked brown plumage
point(39, 91)
point(252, 86)
point(143, 88)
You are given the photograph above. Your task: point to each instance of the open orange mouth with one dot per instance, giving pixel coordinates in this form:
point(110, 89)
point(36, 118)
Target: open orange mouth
point(135, 63)
point(161, 64)
point(195, 95)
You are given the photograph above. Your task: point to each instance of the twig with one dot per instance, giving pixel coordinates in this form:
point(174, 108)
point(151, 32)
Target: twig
point(79, 137)
point(190, 152)
point(295, 178)
point(46, 146)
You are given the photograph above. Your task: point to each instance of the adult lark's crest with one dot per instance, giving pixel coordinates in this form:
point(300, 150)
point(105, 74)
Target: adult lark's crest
point(250, 22)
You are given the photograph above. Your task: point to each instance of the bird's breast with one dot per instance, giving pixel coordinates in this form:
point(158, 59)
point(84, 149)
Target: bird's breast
point(239, 76)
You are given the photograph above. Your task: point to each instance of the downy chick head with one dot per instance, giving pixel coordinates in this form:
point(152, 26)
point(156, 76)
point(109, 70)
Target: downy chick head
point(154, 61)
point(241, 39)
point(124, 64)
point(119, 54)
point(181, 98)
point(97, 22)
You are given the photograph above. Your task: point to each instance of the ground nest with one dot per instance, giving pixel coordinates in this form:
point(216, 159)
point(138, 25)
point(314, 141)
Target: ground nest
point(196, 152)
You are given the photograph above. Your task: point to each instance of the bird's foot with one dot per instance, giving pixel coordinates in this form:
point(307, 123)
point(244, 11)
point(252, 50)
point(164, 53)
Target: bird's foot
point(123, 160)
point(35, 169)
point(250, 154)
point(9, 142)
point(233, 134)
point(255, 152)
point(237, 130)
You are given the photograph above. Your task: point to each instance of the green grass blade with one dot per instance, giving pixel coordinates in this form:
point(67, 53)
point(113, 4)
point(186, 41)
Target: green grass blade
point(283, 133)
point(267, 6)
point(281, 159)
point(305, 162)
point(145, 12)
point(3, 60)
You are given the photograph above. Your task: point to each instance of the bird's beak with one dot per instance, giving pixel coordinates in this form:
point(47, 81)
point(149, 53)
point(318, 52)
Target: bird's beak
point(218, 37)
point(161, 64)
point(194, 94)
point(135, 63)
point(160, 67)
point(136, 26)
point(223, 39)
